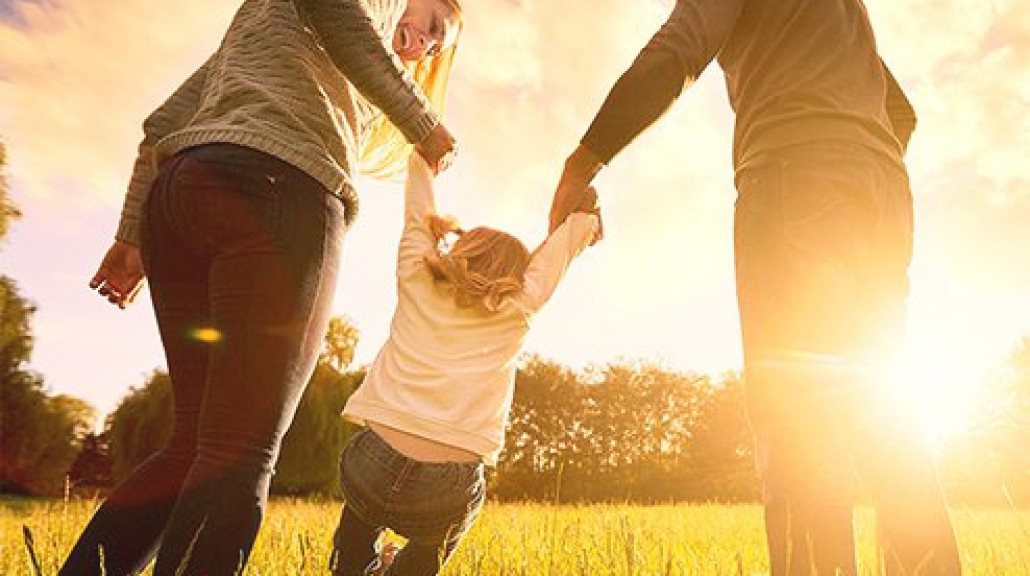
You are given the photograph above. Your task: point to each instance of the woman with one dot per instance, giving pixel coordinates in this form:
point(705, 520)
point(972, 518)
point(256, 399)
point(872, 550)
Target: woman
point(236, 210)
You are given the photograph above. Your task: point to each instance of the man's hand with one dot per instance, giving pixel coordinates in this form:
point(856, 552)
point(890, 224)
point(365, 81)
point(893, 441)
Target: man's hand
point(574, 193)
point(590, 205)
point(120, 276)
point(438, 148)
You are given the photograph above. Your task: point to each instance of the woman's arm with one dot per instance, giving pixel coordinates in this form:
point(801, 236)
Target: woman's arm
point(346, 32)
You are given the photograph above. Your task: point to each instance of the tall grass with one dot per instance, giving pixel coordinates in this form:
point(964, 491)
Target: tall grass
point(538, 540)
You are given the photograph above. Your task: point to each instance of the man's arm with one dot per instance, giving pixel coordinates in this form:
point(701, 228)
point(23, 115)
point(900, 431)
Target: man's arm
point(674, 58)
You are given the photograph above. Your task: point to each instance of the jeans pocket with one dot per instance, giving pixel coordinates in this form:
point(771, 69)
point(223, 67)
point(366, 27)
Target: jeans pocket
point(436, 506)
point(828, 212)
point(362, 480)
point(235, 193)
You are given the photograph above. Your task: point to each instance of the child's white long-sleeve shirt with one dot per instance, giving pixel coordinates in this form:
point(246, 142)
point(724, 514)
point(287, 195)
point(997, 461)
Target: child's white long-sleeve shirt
point(447, 373)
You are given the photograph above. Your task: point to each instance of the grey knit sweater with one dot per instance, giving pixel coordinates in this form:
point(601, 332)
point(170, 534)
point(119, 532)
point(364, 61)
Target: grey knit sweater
point(302, 80)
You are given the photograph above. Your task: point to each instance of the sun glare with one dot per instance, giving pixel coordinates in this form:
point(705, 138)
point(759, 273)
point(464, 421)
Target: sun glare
point(943, 385)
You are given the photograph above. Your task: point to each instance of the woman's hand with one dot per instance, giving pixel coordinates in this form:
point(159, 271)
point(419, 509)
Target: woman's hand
point(120, 276)
point(438, 149)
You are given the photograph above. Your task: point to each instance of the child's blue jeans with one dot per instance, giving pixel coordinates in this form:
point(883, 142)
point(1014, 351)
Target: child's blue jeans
point(431, 504)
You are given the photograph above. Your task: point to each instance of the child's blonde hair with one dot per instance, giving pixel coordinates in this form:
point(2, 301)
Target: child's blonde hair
point(385, 155)
point(484, 266)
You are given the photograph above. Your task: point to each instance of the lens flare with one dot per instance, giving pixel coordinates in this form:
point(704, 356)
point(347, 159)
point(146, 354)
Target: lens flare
point(206, 335)
point(942, 385)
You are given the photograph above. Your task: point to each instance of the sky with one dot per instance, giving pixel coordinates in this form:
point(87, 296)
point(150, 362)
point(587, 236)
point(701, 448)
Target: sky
point(77, 77)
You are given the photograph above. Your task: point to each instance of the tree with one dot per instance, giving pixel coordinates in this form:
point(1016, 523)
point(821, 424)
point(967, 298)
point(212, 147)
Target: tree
point(39, 434)
point(642, 424)
point(661, 435)
point(543, 439)
point(340, 341)
point(625, 432)
point(722, 464)
point(91, 469)
point(8, 212)
point(142, 423)
point(15, 330)
point(311, 448)
point(989, 464)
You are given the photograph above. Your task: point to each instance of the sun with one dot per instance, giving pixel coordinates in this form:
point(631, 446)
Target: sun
point(943, 383)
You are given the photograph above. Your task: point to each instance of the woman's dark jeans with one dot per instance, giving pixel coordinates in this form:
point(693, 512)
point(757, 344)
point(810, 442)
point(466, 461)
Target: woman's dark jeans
point(431, 504)
point(241, 251)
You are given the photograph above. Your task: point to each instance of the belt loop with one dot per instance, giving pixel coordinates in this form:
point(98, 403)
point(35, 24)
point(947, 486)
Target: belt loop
point(402, 476)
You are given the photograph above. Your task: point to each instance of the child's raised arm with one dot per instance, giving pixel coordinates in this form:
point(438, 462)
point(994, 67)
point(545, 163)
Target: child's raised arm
point(419, 198)
point(551, 260)
point(417, 239)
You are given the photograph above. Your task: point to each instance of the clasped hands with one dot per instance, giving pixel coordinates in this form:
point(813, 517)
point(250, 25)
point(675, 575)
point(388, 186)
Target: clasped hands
point(574, 192)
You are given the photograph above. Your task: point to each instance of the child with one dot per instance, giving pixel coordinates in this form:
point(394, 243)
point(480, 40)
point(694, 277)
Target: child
point(436, 399)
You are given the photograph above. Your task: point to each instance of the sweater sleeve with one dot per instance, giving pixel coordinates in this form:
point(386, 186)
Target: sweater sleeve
point(900, 111)
point(172, 115)
point(346, 31)
point(416, 239)
point(673, 59)
point(551, 260)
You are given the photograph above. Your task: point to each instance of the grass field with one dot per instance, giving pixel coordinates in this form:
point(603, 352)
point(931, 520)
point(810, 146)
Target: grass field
point(539, 540)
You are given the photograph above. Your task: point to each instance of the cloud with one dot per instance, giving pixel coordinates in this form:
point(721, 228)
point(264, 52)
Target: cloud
point(525, 89)
point(78, 78)
point(966, 64)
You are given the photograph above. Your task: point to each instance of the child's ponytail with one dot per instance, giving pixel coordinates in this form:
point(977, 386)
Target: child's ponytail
point(441, 226)
point(484, 266)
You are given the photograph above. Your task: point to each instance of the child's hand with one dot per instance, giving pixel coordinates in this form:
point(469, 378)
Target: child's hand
point(438, 149)
point(587, 201)
point(580, 168)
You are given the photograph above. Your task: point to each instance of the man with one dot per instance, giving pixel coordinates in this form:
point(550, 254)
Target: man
point(823, 239)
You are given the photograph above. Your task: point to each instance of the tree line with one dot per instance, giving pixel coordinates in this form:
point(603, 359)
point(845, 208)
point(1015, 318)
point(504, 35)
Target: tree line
point(614, 434)
point(626, 432)
point(40, 434)
point(629, 431)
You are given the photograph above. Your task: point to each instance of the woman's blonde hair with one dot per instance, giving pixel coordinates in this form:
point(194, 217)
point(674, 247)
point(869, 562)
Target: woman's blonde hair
point(385, 155)
point(484, 266)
